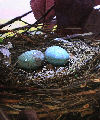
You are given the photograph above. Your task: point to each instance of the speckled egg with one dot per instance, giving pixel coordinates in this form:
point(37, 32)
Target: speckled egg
point(31, 59)
point(56, 55)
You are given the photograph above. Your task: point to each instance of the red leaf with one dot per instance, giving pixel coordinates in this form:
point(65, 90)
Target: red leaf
point(71, 15)
point(97, 2)
point(39, 7)
point(93, 22)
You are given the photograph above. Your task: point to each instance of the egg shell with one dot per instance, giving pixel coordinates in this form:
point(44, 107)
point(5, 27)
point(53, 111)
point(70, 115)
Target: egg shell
point(31, 59)
point(56, 55)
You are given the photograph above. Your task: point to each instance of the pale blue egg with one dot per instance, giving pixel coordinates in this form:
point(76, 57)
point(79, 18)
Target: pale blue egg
point(56, 55)
point(31, 59)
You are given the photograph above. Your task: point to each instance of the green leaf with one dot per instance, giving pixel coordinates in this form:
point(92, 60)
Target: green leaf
point(1, 39)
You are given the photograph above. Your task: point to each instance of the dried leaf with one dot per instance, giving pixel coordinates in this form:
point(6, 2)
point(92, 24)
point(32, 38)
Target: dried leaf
point(96, 80)
point(86, 106)
point(87, 92)
point(83, 85)
point(5, 51)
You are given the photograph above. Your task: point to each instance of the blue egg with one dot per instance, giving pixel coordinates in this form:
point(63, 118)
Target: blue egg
point(31, 59)
point(56, 55)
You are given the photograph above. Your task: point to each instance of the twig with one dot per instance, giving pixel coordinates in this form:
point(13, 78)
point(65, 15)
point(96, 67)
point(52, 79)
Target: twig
point(13, 20)
point(78, 35)
point(25, 22)
point(3, 116)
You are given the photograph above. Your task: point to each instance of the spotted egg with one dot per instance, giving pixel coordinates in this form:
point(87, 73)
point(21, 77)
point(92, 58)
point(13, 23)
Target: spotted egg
point(56, 55)
point(31, 59)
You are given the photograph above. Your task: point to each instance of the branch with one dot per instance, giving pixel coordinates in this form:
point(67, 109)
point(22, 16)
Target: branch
point(29, 25)
point(13, 20)
point(38, 21)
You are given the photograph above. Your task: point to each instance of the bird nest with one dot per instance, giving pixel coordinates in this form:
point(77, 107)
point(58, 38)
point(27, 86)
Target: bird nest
point(54, 92)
